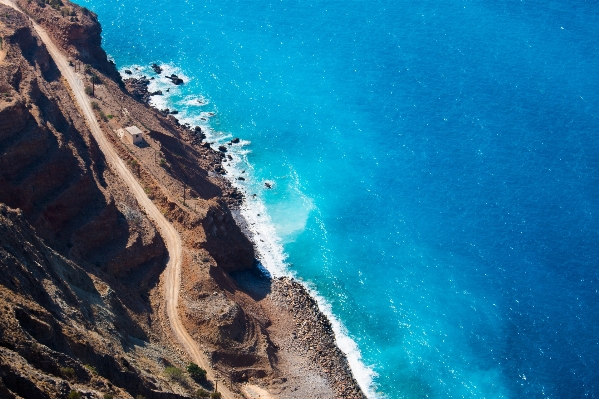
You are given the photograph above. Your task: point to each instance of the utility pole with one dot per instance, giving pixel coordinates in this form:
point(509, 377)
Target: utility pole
point(184, 189)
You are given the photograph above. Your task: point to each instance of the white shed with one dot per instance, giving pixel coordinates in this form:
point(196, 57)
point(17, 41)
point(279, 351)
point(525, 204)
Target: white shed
point(133, 135)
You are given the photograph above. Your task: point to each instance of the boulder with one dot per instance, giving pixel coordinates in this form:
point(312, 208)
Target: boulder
point(156, 68)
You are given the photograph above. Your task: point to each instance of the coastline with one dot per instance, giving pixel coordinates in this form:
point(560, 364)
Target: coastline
point(317, 333)
point(276, 337)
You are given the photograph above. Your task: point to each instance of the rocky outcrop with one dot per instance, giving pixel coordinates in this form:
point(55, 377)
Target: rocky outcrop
point(75, 29)
point(138, 88)
point(56, 316)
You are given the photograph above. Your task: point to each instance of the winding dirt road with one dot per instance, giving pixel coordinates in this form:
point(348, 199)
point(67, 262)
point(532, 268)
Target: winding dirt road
point(172, 281)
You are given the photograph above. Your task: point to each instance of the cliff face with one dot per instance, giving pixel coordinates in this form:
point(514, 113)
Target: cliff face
point(54, 316)
point(75, 29)
point(79, 260)
point(52, 170)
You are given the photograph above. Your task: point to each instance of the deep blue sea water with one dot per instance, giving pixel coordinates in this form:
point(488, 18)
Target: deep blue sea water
point(435, 168)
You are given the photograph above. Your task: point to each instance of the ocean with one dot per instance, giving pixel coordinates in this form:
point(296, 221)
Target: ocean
point(434, 169)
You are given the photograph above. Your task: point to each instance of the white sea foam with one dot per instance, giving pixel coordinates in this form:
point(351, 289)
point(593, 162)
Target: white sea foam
point(268, 243)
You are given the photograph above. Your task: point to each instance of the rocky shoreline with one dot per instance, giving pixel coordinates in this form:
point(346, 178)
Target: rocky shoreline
point(313, 334)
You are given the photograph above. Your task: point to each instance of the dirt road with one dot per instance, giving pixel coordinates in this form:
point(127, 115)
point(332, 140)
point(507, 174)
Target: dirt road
point(172, 280)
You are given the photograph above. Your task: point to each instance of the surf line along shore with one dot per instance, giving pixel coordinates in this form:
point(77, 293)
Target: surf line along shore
point(169, 234)
point(306, 330)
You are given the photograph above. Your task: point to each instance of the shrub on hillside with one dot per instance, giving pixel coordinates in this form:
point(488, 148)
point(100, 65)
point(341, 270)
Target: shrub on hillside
point(67, 372)
point(174, 373)
point(202, 393)
point(91, 369)
point(74, 395)
point(196, 372)
point(88, 91)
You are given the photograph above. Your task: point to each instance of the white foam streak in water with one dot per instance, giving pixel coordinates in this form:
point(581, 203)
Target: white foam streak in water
point(268, 244)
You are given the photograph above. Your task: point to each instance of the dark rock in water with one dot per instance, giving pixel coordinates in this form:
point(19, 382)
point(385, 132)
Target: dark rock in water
point(175, 79)
point(206, 145)
point(128, 72)
point(152, 78)
point(174, 112)
point(198, 129)
point(199, 134)
point(241, 178)
point(267, 185)
point(230, 157)
point(138, 88)
point(156, 93)
point(222, 148)
point(156, 68)
point(235, 140)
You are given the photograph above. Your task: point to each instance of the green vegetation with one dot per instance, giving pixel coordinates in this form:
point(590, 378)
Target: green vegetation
point(196, 372)
point(95, 106)
point(163, 162)
point(66, 12)
point(89, 91)
point(103, 116)
point(55, 4)
point(202, 393)
point(74, 395)
point(91, 369)
point(215, 395)
point(140, 397)
point(108, 396)
point(67, 372)
point(110, 116)
point(87, 68)
point(174, 373)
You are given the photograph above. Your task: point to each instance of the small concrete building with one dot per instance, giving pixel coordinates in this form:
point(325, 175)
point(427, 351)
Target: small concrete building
point(133, 135)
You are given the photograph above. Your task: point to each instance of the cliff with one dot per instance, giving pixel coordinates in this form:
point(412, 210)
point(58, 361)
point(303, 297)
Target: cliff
point(82, 285)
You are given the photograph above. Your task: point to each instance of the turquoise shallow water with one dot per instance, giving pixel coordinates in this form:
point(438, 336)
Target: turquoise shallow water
point(435, 169)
